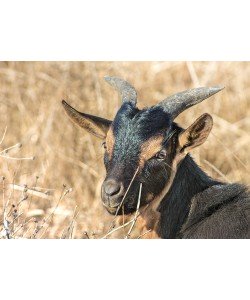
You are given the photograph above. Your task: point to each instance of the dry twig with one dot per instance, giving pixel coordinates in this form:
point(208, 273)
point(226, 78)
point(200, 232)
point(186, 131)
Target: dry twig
point(136, 213)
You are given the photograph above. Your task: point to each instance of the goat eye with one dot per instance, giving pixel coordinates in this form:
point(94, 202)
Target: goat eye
point(161, 154)
point(104, 145)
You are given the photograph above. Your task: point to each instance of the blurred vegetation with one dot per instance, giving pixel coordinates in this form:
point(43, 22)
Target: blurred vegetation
point(68, 158)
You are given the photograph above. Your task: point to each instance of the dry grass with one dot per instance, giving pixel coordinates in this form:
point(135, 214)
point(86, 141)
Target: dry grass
point(41, 202)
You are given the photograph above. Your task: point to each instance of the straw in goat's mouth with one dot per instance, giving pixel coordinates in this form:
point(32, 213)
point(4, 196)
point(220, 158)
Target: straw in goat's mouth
point(120, 205)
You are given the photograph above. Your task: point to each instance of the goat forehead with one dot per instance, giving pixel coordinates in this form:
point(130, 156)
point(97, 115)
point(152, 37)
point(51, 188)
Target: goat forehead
point(130, 121)
point(131, 128)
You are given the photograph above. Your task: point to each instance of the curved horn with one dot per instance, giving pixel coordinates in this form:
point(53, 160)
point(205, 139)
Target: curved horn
point(179, 102)
point(125, 89)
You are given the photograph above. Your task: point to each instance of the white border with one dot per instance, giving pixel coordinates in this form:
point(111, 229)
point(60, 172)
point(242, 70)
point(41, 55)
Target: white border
point(124, 30)
point(119, 269)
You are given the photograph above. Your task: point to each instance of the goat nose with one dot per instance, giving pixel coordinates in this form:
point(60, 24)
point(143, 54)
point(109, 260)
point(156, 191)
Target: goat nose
point(112, 187)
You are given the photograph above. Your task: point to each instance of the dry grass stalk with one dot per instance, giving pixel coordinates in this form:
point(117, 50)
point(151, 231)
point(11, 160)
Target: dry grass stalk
point(30, 191)
point(136, 213)
point(120, 205)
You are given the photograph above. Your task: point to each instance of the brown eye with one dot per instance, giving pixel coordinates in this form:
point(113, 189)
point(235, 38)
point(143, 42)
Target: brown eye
point(161, 154)
point(104, 145)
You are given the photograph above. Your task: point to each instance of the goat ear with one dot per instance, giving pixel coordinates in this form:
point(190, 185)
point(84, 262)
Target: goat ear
point(196, 134)
point(94, 125)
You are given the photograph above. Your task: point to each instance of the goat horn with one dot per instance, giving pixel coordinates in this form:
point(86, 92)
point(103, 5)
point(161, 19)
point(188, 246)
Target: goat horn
point(179, 102)
point(125, 89)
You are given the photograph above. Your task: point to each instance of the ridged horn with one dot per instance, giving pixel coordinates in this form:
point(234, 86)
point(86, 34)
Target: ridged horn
point(179, 102)
point(125, 89)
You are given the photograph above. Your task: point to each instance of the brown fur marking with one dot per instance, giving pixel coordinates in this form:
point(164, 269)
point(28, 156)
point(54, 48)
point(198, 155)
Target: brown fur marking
point(110, 141)
point(150, 148)
point(197, 133)
point(150, 214)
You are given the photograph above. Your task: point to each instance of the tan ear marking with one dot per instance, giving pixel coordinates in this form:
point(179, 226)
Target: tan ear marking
point(196, 134)
point(93, 124)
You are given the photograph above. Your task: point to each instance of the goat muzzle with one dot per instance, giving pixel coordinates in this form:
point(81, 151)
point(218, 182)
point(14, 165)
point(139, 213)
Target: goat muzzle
point(112, 194)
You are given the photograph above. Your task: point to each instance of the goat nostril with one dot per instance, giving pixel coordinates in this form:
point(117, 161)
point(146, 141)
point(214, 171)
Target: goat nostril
point(112, 187)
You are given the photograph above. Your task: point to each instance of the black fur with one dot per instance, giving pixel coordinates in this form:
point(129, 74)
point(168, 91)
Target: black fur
point(199, 207)
point(189, 181)
point(196, 206)
point(132, 127)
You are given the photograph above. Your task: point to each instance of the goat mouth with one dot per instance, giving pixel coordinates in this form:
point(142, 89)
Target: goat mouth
point(119, 210)
point(110, 209)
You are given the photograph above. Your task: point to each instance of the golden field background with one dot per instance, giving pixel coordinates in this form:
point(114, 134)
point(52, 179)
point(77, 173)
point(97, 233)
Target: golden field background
point(67, 170)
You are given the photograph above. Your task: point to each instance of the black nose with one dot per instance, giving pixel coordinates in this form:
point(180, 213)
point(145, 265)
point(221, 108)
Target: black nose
point(112, 187)
point(112, 192)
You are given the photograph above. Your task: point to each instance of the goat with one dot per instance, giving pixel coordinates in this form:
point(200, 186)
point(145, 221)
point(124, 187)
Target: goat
point(178, 199)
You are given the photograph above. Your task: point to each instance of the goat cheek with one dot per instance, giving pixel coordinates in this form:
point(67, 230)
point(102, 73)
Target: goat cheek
point(149, 197)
